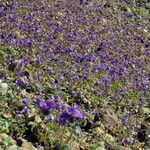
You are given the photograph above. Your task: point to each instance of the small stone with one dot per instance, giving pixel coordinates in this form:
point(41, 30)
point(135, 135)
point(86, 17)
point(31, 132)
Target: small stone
point(75, 145)
point(7, 116)
point(40, 148)
point(3, 88)
point(99, 130)
point(23, 92)
point(147, 5)
point(146, 110)
point(104, 21)
point(129, 10)
point(117, 147)
point(108, 138)
point(3, 135)
point(145, 30)
point(108, 118)
point(28, 146)
point(1, 148)
point(100, 148)
point(12, 147)
point(125, 148)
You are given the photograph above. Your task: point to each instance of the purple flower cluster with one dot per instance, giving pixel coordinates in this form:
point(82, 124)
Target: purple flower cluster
point(25, 111)
point(70, 112)
point(47, 105)
point(21, 81)
point(25, 100)
point(65, 112)
point(127, 140)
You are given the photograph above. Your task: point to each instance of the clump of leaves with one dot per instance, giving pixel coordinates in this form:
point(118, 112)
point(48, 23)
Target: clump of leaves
point(143, 11)
point(4, 125)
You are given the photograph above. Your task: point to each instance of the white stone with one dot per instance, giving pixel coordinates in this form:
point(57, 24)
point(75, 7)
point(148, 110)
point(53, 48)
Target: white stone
point(3, 88)
point(12, 147)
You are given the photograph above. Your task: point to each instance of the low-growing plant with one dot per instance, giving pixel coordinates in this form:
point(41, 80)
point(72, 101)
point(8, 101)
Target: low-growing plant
point(62, 60)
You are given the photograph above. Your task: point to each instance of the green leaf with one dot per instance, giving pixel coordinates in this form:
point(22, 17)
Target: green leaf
point(97, 146)
point(51, 140)
point(67, 147)
point(4, 125)
point(143, 11)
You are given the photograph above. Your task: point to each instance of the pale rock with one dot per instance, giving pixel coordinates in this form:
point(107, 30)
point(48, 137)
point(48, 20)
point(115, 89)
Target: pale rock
point(12, 147)
point(117, 147)
point(147, 5)
point(146, 110)
point(3, 88)
point(28, 146)
point(100, 148)
point(125, 148)
point(145, 30)
point(1, 148)
point(109, 119)
point(75, 145)
point(108, 138)
point(40, 148)
point(23, 92)
point(99, 130)
point(129, 10)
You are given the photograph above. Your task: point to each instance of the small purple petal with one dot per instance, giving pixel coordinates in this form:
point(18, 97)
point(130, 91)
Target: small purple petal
point(21, 81)
point(26, 111)
point(25, 100)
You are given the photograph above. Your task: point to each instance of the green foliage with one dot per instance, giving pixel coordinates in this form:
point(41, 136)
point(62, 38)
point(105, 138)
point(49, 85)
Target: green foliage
point(4, 125)
point(64, 147)
point(6, 141)
point(143, 11)
point(97, 146)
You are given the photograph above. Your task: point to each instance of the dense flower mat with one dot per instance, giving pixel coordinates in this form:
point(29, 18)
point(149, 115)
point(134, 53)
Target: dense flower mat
point(74, 74)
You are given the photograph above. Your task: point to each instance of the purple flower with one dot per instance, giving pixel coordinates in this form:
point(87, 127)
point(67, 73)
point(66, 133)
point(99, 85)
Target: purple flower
point(25, 100)
point(26, 111)
point(121, 71)
point(37, 101)
point(56, 97)
point(50, 70)
point(127, 102)
point(129, 113)
point(4, 36)
point(70, 112)
point(124, 90)
point(2, 74)
point(78, 59)
point(124, 120)
point(50, 58)
point(29, 44)
point(8, 56)
point(74, 112)
point(62, 120)
point(43, 105)
point(95, 112)
point(39, 60)
point(126, 140)
point(141, 102)
point(51, 105)
point(23, 61)
point(48, 105)
point(19, 115)
point(21, 81)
